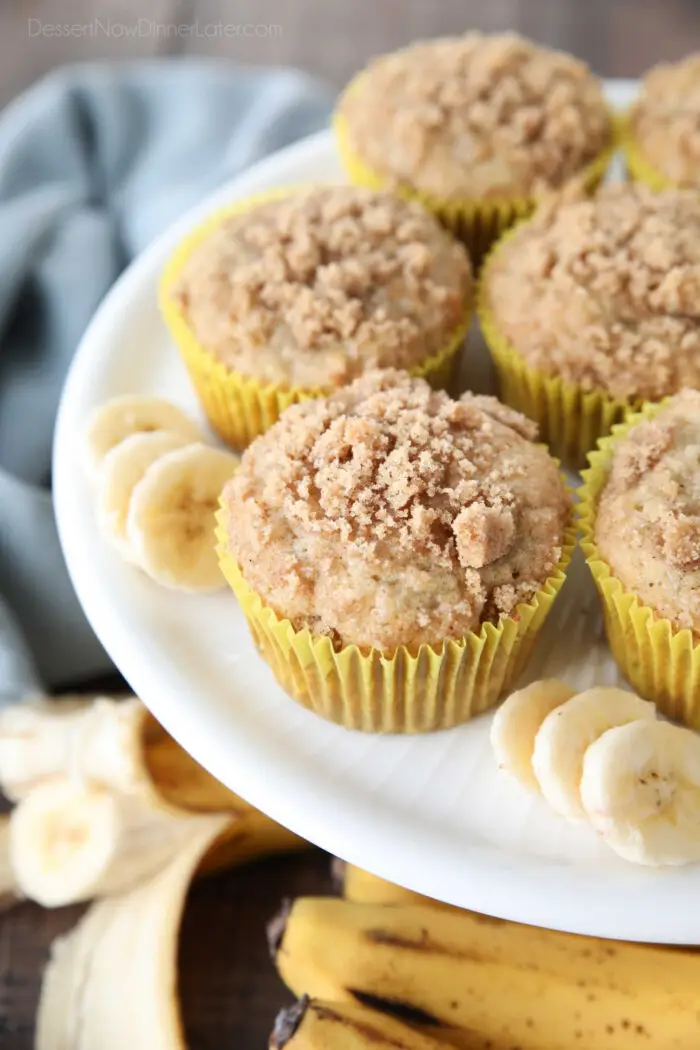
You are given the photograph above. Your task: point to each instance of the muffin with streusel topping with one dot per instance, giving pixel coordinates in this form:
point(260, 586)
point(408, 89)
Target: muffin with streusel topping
point(662, 134)
point(294, 295)
point(476, 126)
point(641, 518)
point(593, 307)
point(395, 551)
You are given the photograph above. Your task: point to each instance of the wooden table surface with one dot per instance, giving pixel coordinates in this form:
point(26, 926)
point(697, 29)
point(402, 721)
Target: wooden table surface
point(229, 990)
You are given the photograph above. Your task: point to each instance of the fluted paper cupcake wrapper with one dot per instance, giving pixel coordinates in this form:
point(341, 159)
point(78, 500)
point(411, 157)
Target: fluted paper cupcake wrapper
point(570, 419)
point(639, 168)
point(477, 223)
point(433, 687)
point(661, 662)
point(241, 407)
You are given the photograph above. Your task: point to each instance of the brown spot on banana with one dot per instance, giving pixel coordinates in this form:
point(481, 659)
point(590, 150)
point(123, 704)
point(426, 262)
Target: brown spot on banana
point(369, 1033)
point(422, 944)
point(396, 1008)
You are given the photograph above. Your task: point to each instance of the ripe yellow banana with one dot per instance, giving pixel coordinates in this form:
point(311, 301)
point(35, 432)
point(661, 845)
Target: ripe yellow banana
point(182, 783)
point(180, 780)
point(107, 798)
point(361, 886)
point(116, 744)
point(315, 1025)
point(479, 982)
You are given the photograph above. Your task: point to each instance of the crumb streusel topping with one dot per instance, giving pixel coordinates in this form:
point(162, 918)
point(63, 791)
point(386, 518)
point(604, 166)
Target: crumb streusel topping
point(666, 120)
point(648, 522)
point(606, 292)
point(389, 514)
point(477, 116)
point(315, 288)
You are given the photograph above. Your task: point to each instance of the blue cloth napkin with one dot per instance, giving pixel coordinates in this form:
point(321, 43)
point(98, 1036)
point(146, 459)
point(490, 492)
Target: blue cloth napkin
point(95, 161)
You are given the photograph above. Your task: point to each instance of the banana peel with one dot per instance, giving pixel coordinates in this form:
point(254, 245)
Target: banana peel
point(112, 982)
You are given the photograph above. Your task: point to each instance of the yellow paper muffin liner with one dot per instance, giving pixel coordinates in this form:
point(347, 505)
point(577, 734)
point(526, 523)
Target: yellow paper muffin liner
point(660, 661)
point(639, 168)
point(240, 407)
point(477, 223)
point(433, 687)
point(570, 419)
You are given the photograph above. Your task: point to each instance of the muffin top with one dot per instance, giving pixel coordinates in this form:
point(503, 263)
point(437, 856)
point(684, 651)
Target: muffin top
point(666, 120)
point(314, 288)
point(476, 116)
point(605, 292)
point(389, 514)
point(648, 521)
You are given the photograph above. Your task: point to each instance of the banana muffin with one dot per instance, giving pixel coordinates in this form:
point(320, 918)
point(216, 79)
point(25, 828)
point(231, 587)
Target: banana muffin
point(604, 293)
point(390, 515)
point(311, 289)
point(647, 526)
point(664, 123)
point(475, 117)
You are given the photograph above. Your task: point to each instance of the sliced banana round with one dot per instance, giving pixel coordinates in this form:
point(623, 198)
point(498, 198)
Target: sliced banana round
point(70, 842)
point(122, 468)
point(568, 731)
point(516, 723)
point(641, 791)
point(117, 419)
point(172, 517)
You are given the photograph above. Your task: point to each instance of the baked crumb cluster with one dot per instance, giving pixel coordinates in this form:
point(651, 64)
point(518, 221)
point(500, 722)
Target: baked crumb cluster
point(606, 292)
point(648, 521)
point(314, 288)
point(477, 116)
point(665, 120)
point(390, 514)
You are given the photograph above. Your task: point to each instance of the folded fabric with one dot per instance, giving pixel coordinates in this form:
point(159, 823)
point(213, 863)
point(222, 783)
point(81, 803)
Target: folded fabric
point(94, 162)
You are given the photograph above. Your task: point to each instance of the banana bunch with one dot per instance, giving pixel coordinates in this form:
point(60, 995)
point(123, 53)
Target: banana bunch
point(157, 489)
point(454, 977)
point(602, 757)
point(106, 799)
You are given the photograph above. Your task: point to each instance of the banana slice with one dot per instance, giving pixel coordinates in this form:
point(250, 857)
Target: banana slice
point(69, 843)
point(111, 982)
point(122, 468)
point(172, 517)
point(133, 414)
point(97, 742)
point(641, 791)
point(516, 723)
point(565, 734)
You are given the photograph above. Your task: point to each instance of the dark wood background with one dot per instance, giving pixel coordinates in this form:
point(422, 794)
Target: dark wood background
point(229, 990)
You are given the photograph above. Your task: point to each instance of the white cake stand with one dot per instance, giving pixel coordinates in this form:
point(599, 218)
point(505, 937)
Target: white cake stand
point(433, 812)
